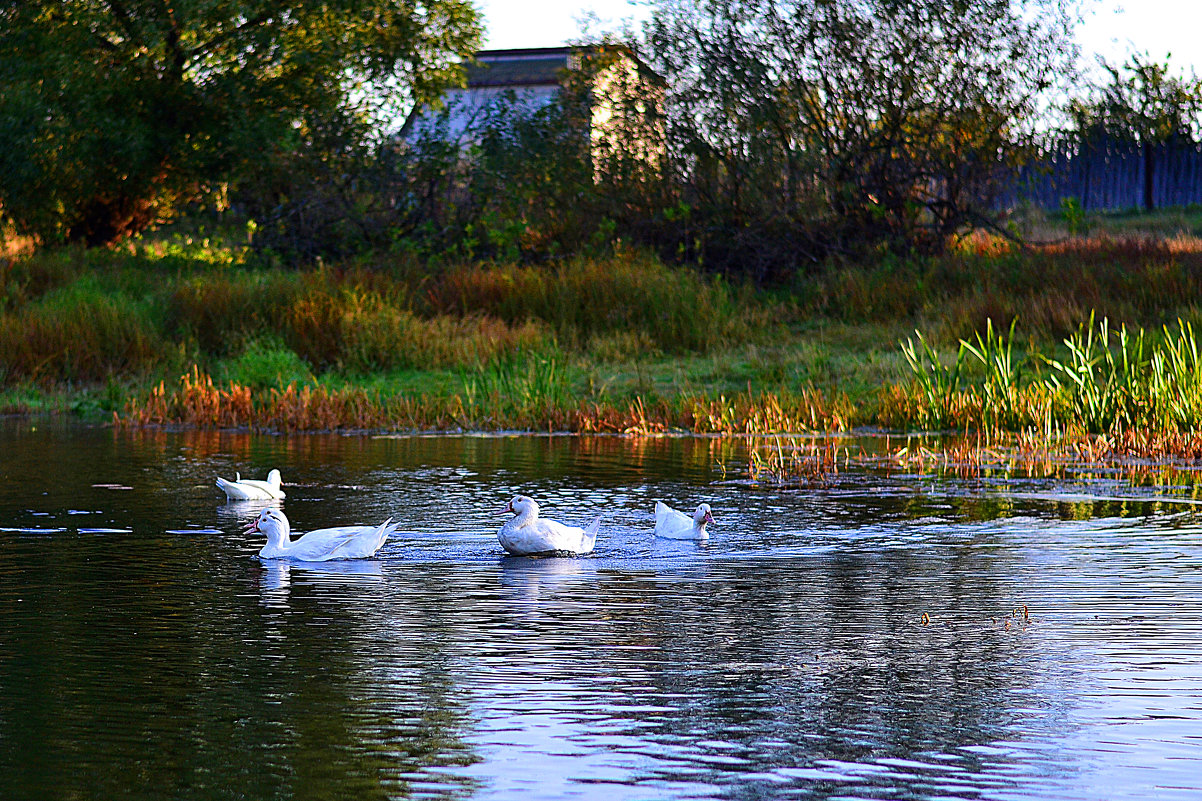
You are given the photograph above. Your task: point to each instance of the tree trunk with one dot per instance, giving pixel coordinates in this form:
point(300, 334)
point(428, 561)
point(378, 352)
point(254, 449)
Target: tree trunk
point(1149, 161)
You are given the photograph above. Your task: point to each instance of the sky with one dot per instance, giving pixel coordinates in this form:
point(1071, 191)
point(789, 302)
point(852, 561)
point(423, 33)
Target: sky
point(1112, 28)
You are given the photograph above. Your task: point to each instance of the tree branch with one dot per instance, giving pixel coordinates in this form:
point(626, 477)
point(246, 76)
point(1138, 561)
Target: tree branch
point(123, 17)
point(221, 38)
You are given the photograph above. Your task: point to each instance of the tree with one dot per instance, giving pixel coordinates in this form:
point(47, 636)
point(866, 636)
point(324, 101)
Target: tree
point(1144, 104)
point(112, 111)
point(831, 123)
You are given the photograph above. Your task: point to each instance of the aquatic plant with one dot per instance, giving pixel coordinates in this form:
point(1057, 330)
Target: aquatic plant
point(939, 383)
point(794, 461)
point(1105, 384)
point(1107, 381)
point(1175, 381)
point(999, 390)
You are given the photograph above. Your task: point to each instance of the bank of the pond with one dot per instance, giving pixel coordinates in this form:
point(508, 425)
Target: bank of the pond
point(181, 331)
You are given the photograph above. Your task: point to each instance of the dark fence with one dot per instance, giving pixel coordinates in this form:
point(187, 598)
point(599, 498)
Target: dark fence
point(1110, 175)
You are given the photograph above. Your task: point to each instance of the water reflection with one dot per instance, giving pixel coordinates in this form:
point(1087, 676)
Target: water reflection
point(531, 580)
point(891, 635)
point(235, 512)
point(279, 575)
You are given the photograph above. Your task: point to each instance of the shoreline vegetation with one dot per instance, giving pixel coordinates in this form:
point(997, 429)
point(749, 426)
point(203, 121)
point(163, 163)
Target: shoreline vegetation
point(1085, 349)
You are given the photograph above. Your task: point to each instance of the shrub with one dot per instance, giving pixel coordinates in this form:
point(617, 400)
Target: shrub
point(78, 334)
point(221, 310)
point(677, 309)
point(266, 363)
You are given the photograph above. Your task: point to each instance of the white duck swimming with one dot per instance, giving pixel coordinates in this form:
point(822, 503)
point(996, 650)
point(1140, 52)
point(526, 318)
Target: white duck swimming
point(252, 489)
point(675, 525)
point(526, 533)
point(321, 545)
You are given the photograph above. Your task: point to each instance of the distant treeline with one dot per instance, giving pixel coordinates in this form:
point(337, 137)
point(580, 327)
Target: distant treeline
point(1111, 174)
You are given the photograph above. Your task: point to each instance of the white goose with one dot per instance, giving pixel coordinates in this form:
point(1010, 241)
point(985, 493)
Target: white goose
point(252, 489)
point(675, 525)
point(526, 533)
point(321, 545)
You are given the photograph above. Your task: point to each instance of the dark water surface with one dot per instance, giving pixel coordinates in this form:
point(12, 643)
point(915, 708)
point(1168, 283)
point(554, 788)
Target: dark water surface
point(145, 651)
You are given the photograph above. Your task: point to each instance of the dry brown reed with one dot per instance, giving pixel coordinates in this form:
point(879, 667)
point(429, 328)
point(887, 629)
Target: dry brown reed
point(200, 402)
point(675, 308)
point(793, 461)
point(1138, 279)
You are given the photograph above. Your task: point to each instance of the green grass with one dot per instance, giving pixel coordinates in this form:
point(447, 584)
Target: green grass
point(1103, 379)
point(498, 344)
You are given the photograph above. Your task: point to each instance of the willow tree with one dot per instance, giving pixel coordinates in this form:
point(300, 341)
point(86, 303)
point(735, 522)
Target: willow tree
point(113, 111)
point(856, 121)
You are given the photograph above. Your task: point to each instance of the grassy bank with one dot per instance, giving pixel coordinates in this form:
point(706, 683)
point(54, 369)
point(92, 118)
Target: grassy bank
point(186, 330)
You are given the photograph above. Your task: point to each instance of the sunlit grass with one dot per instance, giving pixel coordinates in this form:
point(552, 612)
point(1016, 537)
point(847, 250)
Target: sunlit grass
point(1104, 379)
point(622, 343)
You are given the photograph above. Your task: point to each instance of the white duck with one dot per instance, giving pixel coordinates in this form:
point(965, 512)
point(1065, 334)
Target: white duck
point(526, 533)
point(675, 525)
point(321, 545)
point(252, 489)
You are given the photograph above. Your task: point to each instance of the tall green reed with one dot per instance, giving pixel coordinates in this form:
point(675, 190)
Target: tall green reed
point(1107, 381)
point(521, 386)
point(1106, 385)
point(1000, 390)
point(1175, 380)
point(938, 382)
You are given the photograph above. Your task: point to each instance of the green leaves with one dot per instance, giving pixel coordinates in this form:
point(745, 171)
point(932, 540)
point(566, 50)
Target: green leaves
point(938, 382)
point(1143, 102)
point(111, 114)
point(1107, 381)
point(853, 126)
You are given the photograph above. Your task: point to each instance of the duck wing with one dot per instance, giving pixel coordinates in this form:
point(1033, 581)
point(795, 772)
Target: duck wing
point(574, 539)
point(238, 491)
point(671, 523)
point(589, 538)
point(341, 542)
point(270, 490)
point(365, 543)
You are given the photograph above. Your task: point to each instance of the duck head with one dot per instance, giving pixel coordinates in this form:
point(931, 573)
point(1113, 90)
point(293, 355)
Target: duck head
point(273, 524)
point(274, 478)
point(521, 506)
point(702, 516)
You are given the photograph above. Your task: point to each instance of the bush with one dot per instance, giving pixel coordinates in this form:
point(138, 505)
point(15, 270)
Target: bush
point(78, 334)
point(581, 299)
point(266, 363)
point(219, 311)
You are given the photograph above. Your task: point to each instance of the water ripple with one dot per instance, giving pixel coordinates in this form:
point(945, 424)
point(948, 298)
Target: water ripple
point(887, 636)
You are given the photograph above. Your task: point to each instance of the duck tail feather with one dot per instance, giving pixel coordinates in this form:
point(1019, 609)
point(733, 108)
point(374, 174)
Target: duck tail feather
point(590, 533)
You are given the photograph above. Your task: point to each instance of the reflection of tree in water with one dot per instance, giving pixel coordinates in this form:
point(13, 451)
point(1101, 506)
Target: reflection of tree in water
point(154, 673)
point(533, 457)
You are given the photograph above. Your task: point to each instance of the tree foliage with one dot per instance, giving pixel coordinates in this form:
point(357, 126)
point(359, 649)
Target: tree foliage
point(111, 111)
point(1142, 103)
point(818, 124)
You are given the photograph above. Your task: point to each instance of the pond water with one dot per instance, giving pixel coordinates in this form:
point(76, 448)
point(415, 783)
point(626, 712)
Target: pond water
point(883, 636)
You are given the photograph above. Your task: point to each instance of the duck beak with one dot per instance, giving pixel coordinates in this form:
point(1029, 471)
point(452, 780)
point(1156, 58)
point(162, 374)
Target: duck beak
point(709, 518)
point(251, 526)
point(508, 510)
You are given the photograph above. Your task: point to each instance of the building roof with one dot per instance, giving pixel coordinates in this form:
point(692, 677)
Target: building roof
point(542, 66)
